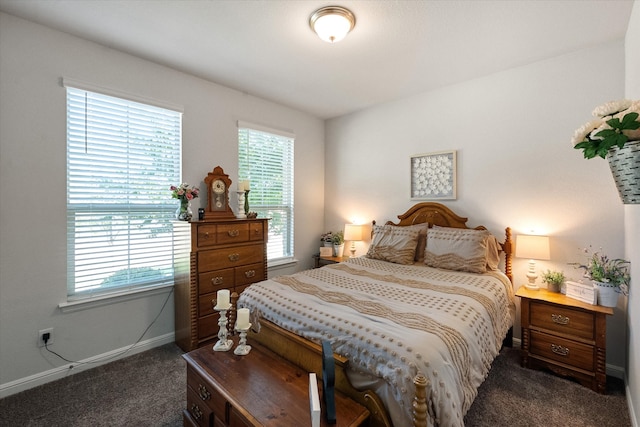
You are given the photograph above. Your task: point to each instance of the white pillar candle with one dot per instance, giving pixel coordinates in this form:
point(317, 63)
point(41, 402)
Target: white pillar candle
point(243, 319)
point(223, 299)
point(247, 186)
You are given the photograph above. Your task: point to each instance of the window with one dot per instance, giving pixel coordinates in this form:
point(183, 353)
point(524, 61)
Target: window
point(266, 159)
point(122, 157)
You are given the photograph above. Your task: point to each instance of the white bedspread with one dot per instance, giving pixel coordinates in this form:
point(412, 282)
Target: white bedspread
point(392, 321)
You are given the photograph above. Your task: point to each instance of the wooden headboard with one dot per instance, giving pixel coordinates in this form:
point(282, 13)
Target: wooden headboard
point(436, 214)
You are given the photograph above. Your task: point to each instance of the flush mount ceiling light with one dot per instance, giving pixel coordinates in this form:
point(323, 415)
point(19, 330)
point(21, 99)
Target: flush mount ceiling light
point(332, 23)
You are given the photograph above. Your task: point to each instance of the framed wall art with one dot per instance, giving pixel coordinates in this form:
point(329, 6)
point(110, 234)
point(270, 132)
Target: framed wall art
point(433, 176)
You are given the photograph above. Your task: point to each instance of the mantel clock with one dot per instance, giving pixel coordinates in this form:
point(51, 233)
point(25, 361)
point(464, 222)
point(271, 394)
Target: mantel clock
point(218, 184)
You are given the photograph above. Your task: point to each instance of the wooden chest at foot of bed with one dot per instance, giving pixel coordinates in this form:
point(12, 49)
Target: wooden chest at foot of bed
point(259, 389)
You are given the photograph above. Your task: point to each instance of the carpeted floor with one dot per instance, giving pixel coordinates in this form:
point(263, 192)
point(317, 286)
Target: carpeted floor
point(148, 389)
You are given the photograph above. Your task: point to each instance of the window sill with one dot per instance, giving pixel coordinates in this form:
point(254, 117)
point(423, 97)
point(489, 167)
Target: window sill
point(276, 265)
point(113, 298)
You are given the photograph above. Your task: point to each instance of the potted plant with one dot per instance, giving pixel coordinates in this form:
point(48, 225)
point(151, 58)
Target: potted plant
point(554, 280)
point(610, 276)
point(327, 239)
point(338, 243)
point(615, 135)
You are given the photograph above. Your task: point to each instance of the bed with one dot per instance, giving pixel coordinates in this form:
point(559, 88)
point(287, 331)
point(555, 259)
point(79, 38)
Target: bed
point(414, 325)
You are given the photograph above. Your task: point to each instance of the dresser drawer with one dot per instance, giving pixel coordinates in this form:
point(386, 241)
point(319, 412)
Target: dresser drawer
point(205, 306)
point(559, 349)
point(213, 281)
point(217, 259)
point(208, 326)
point(248, 274)
point(206, 235)
point(562, 319)
point(256, 231)
point(202, 393)
point(236, 419)
point(232, 233)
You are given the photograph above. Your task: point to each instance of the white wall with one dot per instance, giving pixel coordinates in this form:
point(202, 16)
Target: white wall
point(33, 58)
point(516, 166)
point(632, 228)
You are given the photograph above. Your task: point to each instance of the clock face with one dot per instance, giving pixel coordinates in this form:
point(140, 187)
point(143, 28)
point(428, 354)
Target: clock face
point(218, 186)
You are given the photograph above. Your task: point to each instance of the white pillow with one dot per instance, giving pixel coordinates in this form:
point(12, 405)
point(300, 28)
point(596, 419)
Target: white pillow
point(394, 244)
point(457, 249)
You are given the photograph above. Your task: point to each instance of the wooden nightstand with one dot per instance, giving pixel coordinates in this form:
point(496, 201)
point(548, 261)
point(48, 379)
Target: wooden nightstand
point(319, 261)
point(565, 336)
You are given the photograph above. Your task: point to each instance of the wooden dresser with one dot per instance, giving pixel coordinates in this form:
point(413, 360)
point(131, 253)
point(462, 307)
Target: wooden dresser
point(225, 254)
point(259, 389)
point(565, 336)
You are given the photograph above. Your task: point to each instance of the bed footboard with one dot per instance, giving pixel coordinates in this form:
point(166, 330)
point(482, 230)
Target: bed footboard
point(307, 355)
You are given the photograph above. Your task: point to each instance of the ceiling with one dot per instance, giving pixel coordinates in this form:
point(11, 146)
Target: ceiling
point(398, 47)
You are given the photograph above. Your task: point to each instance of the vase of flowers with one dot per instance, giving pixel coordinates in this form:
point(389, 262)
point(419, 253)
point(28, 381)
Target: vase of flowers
point(615, 135)
point(610, 276)
point(327, 239)
point(184, 193)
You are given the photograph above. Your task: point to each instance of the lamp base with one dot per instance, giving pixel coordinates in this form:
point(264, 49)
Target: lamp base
point(532, 286)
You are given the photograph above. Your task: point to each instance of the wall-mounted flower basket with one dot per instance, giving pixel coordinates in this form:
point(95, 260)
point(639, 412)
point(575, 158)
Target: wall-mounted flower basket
point(625, 167)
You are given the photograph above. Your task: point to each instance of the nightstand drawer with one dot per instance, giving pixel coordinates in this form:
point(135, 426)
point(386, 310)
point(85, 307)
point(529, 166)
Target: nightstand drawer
point(563, 319)
point(562, 350)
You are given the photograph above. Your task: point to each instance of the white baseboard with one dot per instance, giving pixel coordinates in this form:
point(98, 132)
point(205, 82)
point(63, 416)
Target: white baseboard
point(632, 412)
point(59, 372)
point(612, 370)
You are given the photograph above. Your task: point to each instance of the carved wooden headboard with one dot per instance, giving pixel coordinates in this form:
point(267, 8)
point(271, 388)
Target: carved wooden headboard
point(437, 214)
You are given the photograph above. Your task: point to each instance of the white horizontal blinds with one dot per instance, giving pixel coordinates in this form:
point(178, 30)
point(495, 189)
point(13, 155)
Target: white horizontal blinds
point(266, 160)
point(122, 157)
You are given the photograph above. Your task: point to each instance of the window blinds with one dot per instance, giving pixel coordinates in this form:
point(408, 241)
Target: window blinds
point(122, 157)
point(265, 158)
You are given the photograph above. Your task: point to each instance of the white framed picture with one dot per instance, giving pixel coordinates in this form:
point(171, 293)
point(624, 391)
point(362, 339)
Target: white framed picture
point(433, 176)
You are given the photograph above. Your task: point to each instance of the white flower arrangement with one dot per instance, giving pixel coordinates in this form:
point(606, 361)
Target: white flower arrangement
point(615, 124)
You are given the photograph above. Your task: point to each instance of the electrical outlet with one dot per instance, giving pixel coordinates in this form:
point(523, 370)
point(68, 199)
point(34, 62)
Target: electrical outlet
point(41, 334)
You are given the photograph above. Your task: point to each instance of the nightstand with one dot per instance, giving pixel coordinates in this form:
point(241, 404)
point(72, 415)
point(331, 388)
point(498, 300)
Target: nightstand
point(565, 336)
point(319, 261)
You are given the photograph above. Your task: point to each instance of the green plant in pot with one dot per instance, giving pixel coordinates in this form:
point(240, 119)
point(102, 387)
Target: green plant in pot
point(338, 243)
point(554, 280)
point(610, 275)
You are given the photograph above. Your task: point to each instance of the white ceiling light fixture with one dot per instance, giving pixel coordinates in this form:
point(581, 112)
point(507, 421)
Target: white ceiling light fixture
point(332, 23)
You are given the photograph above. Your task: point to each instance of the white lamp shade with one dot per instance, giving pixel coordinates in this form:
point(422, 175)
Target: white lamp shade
point(532, 247)
point(353, 232)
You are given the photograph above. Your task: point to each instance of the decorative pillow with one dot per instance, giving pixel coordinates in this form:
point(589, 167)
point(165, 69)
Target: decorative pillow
point(394, 244)
point(493, 252)
point(457, 249)
point(422, 239)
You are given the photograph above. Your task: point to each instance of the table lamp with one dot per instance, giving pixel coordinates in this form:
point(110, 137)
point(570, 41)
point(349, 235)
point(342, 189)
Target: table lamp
point(353, 233)
point(534, 248)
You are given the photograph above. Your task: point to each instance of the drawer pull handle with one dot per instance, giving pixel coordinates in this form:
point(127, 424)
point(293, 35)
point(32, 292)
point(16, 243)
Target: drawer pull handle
point(250, 273)
point(196, 412)
point(558, 349)
point(217, 280)
point(234, 257)
point(560, 319)
point(203, 392)
point(206, 235)
point(233, 233)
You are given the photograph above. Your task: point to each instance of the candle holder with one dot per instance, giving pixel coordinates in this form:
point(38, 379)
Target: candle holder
point(241, 205)
point(246, 201)
point(243, 348)
point(223, 344)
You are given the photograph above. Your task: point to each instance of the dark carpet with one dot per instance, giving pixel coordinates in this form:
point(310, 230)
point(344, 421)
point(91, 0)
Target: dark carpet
point(148, 389)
